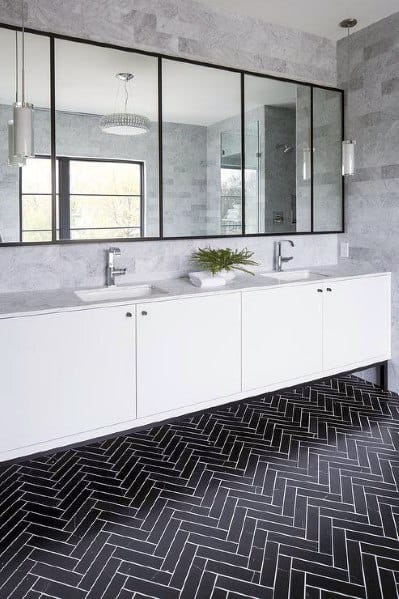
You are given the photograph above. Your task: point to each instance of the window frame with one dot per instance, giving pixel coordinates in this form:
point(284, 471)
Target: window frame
point(64, 197)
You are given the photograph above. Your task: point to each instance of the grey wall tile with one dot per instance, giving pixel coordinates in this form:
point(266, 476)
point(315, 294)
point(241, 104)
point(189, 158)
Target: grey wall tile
point(372, 210)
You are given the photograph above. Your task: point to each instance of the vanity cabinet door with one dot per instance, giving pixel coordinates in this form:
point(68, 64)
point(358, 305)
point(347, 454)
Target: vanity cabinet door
point(188, 352)
point(65, 373)
point(282, 335)
point(357, 316)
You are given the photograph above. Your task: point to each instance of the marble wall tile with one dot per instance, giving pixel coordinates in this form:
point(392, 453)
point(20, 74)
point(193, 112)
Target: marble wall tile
point(83, 265)
point(372, 207)
point(185, 26)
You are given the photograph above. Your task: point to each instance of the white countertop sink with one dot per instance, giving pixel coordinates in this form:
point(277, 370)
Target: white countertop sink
point(292, 275)
point(117, 293)
point(30, 303)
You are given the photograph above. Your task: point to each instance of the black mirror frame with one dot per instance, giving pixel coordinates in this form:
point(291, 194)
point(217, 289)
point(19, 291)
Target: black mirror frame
point(53, 37)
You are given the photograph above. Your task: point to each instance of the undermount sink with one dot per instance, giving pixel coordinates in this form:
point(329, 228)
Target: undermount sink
point(292, 275)
point(109, 293)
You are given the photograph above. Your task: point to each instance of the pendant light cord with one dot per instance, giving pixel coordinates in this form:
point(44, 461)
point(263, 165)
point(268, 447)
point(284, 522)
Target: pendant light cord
point(16, 68)
point(23, 52)
point(348, 56)
point(348, 74)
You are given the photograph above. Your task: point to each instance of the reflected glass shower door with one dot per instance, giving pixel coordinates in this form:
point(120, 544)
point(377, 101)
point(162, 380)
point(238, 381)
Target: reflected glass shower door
point(230, 173)
point(254, 186)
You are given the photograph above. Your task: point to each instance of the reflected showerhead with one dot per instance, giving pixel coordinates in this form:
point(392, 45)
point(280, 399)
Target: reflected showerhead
point(285, 147)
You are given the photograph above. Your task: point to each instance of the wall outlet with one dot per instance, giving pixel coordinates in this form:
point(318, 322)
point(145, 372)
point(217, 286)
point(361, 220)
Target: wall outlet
point(344, 249)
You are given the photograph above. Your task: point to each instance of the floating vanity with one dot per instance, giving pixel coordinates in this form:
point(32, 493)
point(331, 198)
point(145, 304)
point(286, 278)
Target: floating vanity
point(81, 364)
point(206, 151)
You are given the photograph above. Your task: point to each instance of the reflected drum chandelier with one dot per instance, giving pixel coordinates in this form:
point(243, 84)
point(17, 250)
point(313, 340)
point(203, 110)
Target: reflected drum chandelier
point(125, 123)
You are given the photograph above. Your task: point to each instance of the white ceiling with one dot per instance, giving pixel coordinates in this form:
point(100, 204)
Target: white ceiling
point(86, 83)
point(320, 17)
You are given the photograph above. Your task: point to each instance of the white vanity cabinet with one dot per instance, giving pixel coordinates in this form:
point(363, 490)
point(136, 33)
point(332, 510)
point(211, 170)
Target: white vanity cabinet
point(188, 352)
point(64, 373)
point(306, 331)
point(281, 334)
point(356, 321)
point(79, 374)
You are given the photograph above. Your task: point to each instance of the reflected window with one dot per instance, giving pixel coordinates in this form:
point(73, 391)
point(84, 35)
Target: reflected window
point(230, 200)
point(230, 182)
point(35, 200)
point(96, 199)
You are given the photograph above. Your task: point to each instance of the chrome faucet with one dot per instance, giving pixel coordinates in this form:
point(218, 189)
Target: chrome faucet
point(113, 272)
point(278, 258)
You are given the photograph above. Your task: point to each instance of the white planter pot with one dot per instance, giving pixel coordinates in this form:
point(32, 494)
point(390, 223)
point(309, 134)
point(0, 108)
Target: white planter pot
point(228, 275)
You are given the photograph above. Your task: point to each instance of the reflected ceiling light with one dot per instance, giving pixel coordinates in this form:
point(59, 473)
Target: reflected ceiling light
point(348, 145)
point(20, 129)
point(125, 123)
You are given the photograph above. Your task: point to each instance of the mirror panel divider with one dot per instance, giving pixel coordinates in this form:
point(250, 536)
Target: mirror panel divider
point(343, 178)
point(53, 143)
point(160, 149)
point(52, 39)
point(243, 138)
point(311, 164)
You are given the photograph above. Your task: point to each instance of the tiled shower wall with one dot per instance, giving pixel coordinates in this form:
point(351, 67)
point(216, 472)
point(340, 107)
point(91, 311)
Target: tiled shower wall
point(372, 200)
point(176, 27)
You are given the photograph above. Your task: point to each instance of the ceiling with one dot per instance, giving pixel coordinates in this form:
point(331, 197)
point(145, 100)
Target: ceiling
point(320, 17)
point(86, 83)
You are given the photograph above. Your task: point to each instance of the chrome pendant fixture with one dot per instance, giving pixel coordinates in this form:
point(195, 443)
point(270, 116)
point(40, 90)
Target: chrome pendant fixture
point(13, 158)
point(20, 129)
point(125, 123)
point(348, 145)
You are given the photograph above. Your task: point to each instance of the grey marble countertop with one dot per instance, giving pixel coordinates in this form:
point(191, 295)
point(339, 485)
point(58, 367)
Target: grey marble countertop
point(24, 303)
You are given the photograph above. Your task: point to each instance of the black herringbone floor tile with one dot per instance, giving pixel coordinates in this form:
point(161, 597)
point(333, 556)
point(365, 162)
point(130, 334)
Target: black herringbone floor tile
point(293, 495)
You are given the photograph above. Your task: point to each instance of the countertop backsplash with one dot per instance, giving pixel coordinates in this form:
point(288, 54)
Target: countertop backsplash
point(67, 266)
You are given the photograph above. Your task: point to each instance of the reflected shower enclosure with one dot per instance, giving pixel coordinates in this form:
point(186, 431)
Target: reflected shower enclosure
point(202, 172)
point(277, 137)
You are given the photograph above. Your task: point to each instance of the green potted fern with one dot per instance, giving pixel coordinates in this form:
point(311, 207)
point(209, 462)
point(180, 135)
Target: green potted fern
point(223, 262)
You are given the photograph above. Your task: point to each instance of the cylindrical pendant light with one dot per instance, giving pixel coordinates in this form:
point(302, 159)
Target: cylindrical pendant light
point(23, 130)
point(20, 129)
point(348, 157)
point(348, 145)
point(13, 159)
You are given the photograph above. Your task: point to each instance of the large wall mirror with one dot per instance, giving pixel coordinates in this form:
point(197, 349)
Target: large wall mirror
point(277, 156)
point(201, 109)
point(234, 153)
point(107, 170)
point(327, 179)
point(25, 207)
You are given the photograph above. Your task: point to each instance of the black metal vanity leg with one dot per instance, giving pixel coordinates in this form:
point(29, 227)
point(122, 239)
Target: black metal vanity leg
point(383, 375)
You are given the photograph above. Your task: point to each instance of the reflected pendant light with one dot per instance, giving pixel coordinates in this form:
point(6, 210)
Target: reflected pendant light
point(348, 145)
point(20, 129)
point(125, 123)
point(13, 158)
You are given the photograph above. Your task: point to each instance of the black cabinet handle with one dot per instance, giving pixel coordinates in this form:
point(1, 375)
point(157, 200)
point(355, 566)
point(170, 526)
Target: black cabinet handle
point(144, 313)
point(129, 314)
point(329, 289)
point(319, 291)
